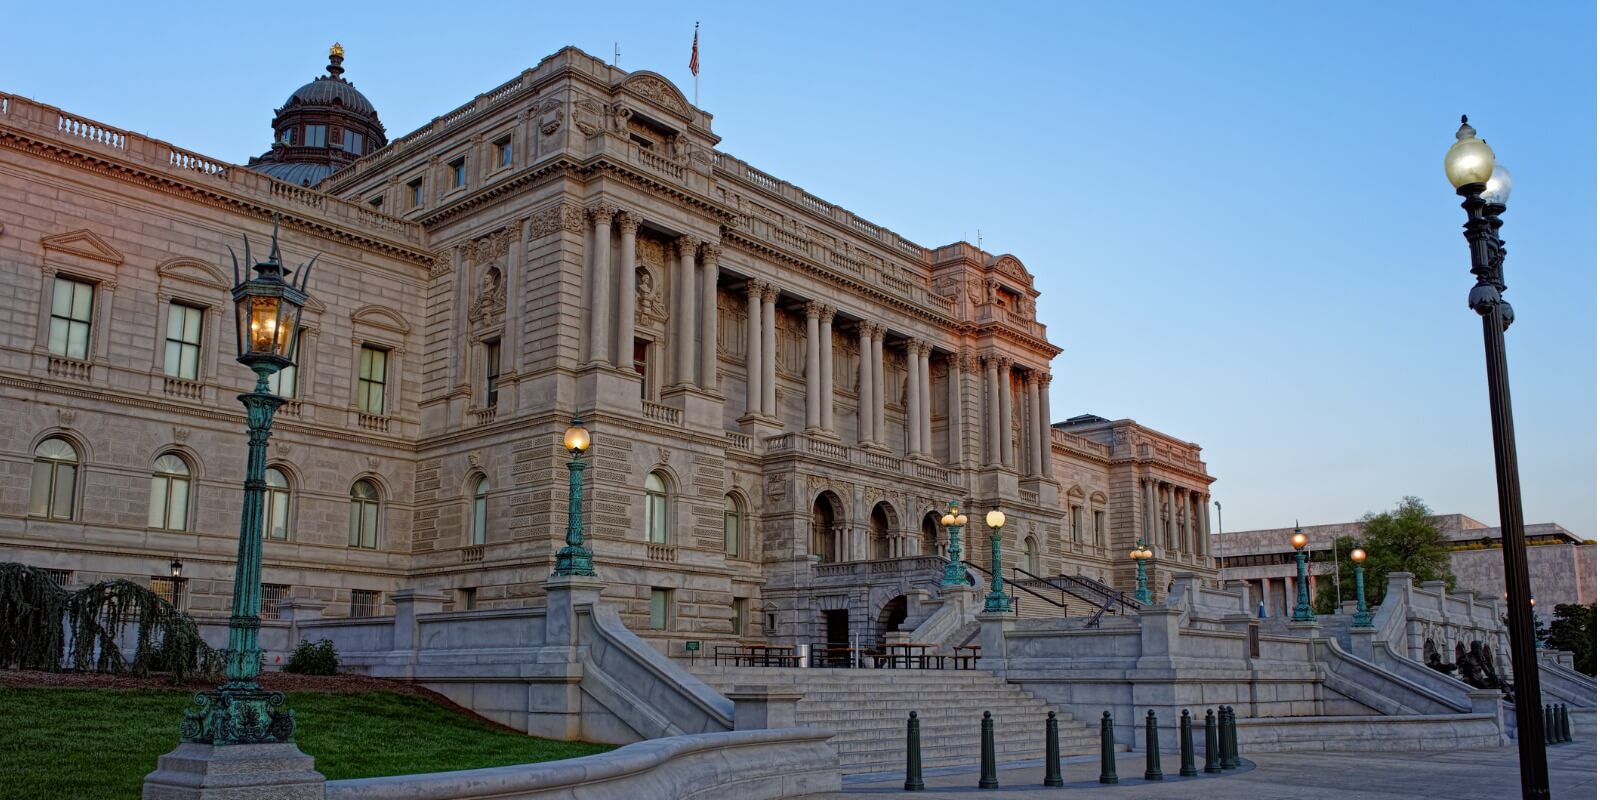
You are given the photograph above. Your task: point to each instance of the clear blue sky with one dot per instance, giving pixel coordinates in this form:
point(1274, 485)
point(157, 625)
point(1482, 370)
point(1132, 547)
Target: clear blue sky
point(1237, 211)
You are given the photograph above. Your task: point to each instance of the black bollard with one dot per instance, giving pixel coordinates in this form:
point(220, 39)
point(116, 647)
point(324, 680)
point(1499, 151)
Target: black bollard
point(1052, 751)
point(1566, 724)
point(986, 776)
point(914, 754)
point(1212, 764)
point(1108, 750)
point(1186, 746)
point(1225, 727)
point(1233, 737)
point(1549, 724)
point(1152, 748)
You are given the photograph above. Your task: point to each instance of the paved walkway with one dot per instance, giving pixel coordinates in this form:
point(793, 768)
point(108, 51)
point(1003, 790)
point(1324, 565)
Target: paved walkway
point(1459, 775)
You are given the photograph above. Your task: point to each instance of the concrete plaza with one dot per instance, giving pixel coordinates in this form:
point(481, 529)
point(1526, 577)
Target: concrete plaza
point(1460, 775)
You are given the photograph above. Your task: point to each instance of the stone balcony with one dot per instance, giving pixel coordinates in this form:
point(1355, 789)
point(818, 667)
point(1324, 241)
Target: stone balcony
point(805, 444)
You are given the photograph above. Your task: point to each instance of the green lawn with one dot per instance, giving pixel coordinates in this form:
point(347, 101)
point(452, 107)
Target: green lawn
point(100, 743)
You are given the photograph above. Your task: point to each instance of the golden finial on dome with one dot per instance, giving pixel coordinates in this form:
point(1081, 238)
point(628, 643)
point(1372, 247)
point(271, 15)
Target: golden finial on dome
point(336, 50)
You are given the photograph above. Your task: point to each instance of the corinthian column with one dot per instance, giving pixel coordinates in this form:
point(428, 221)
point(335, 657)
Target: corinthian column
point(1045, 430)
point(1008, 453)
point(955, 371)
point(913, 399)
point(622, 346)
point(924, 386)
point(878, 395)
point(709, 256)
point(752, 347)
point(683, 325)
point(769, 350)
point(864, 401)
point(991, 372)
point(813, 366)
point(825, 366)
point(600, 274)
point(1036, 444)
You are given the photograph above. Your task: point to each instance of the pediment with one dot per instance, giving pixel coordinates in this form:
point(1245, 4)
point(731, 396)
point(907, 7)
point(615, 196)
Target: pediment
point(380, 317)
point(1009, 266)
point(1076, 491)
point(192, 271)
point(83, 243)
point(658, 90)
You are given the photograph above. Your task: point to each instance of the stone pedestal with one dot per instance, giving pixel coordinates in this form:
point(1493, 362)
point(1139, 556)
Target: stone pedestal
point(992, 629)
point(761, 707)
point(1363, 641)
point(234, 772)
point(1305, 628)
point(760, 427)
point(564, 595)
point(702, 409)
point(615, 391)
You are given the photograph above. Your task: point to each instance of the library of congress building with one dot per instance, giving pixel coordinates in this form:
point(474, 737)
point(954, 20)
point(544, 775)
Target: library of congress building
point(784, 397)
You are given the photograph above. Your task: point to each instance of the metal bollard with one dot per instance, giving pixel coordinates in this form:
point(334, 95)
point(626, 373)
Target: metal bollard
point(1186, 746)
point(1549, 724)
point(986, 776)
point(1212, 764)
point(1566, 724)
point(1233, 737)
point(914, 754)
point(1225, 725)
point(1052, 751)
point(1108, 750)
point(1152, 748)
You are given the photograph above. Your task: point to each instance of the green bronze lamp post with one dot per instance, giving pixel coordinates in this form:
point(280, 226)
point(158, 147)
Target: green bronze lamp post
point(996, 599)
point(953, 522)
point(1362, 619)
point(1140, 554)
point(267, 311)
point(575, 559)
point(1302, 595)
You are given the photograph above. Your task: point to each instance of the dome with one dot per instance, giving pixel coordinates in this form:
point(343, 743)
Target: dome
point(324, 126)
point(297, 173)
point(331, 90)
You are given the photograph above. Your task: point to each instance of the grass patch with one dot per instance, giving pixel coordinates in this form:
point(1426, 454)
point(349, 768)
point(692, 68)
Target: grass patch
point(98, 743)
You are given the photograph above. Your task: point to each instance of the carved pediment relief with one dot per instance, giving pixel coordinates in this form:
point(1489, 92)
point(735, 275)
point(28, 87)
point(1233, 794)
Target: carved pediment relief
point(382, 318)
point(657, 90)
point(83, 243)
point(195, 272)
point(1009, 266)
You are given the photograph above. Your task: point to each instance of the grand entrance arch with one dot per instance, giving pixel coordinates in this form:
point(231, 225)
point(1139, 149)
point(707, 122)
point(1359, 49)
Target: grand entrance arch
point(827, 526)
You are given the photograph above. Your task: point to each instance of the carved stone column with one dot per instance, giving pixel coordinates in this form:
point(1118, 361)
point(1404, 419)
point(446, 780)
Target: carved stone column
point(813, 366)
point(1205, 526)
point(825, 366)
point(864, 402)
point(878, 394)
point(1192, 543)
point(683, 311)
point(752, 347)
point(710, 255)
point(1152, 512)
point(925, 386)
point(955, 376)
point(600, 275)
point(622, 344)
point(1180, 501)
point(1036, 444)
point(769, 351)
point(913, 349)
point(1046, 432)
point(1008, 453)
point(991, 437)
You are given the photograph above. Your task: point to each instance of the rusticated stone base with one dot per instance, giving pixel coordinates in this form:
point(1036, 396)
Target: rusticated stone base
point(235, 772)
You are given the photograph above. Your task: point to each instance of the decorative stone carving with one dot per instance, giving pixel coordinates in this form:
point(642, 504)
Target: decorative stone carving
point(475, 460)
point(1025, 307)
point(65, 417)
point(657, 91)
point(556, 217)
point(180, 433)
point(628, 222)
point(663, 455)
point(550, 117)
point(442, 265)
point(648, 305)
point(589, 115)
point(619, 118)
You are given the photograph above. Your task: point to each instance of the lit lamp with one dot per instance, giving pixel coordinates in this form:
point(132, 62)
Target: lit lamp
point(1362, 619)
point(575, 559)
point(1140, 554)
point(1485, 187)
point(267, 309)
point(1302, 592)
point(996, 600)
point(953, 521)
point(177, 568)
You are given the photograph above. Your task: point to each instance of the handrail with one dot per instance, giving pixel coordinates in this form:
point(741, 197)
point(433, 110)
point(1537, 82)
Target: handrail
point(1014, 584)
point(1104, 591)
point(1108, 598)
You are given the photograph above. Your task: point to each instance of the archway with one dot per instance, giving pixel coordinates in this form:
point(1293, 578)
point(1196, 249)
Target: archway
point(826, 513)
point(891, 617)
point(932, 543)
point(880, 530)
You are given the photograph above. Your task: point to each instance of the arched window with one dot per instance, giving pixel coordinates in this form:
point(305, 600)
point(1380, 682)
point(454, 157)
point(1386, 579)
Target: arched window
point(480, 511)
point(732, 529)
point(275, 523)
point(364, 507)
point(169, 494)
point(655, 509)
point(1030, 555)
point(55, 479)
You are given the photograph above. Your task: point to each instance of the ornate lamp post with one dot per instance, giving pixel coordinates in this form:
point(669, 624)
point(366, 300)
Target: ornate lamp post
point(575, 559)
point(1485, 187)
point(1140, 554)
point(267, 310)
point(996, 599)
point(1302, 592)
point(1362, 619)
point(953, 521)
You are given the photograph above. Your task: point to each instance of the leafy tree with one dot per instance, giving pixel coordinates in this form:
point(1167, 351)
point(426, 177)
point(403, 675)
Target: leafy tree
point(1324, 602)
point(1573, 629)
point(1401, 540)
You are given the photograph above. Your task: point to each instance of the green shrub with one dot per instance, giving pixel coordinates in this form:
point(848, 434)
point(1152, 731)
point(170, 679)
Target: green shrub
point(313, 659)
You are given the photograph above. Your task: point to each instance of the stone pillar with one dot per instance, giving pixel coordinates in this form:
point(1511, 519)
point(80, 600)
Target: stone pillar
point(925, 386)
point(864, 391)
point(1037, 444)
point(878, 394)
point(752, 347)
point(1152, 514)
point(1266, 597)
point(1205, 525)
point(600, 274)
point(1046, 436)
point(825, 366)
point(622, 346)
point(769, 351)
point(955, 374)
point(913, 399)
point(991, 436)
point(813, 366)
point(762, 707)
point(1008, 453)
point(710, 254)
point(1191, 541)
point(683, 311)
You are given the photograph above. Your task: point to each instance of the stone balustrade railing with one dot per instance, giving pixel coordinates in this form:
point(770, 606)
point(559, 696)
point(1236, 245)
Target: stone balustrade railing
point(806, 444)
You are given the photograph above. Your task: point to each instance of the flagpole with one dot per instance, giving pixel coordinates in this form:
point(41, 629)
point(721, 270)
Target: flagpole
point(697, 64)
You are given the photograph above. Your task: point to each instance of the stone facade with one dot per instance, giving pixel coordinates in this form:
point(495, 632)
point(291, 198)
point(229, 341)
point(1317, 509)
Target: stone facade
point(775, 386)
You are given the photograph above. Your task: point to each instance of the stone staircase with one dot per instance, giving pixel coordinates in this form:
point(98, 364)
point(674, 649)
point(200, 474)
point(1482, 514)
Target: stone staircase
point(867, 709)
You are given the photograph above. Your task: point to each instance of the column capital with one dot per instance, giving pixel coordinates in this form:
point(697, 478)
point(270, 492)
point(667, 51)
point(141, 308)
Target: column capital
point(877, 331)
point(601, 213)
point(710, 253)
point(627, 222)
point(827, 314)
point(753, 288)
point(769, 293)
point(687, 245)
point(813, 310)
point(1035, 377)
point(1005, 363)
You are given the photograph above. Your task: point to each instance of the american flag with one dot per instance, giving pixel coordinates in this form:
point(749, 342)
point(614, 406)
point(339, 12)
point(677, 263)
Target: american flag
point(694, 53)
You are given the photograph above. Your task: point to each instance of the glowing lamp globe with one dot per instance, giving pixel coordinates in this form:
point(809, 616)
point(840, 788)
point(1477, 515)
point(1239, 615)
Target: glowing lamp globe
point(1498, 190)
point(948, 520)
point(576, 439)
point(1358, 555)
point(996, 518)
point(1469, 160)
point(1298, 540)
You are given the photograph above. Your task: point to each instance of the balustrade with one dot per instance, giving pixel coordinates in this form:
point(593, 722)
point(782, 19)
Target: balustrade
point(665, 414)
point(178, 387)
point(70, 369)
point(372, 422)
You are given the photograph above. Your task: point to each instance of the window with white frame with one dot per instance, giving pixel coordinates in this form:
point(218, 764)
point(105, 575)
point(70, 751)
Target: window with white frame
point(365, 505)
point(55, 479)
point(169, 494)
point(275, 522)
point(1100, 528)
point(316, 136)
point(272, 597)
point(655, 509)
point(480, 511)
point(183, 341)
point(660, 608)
point(1077, 524)
point(71, 318)
point(372, 381)
point(365, 603)
point(353, 142)
point(285, 382)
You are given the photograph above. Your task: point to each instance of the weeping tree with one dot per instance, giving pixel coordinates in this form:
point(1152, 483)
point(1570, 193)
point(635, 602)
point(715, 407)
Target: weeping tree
point(31, 610)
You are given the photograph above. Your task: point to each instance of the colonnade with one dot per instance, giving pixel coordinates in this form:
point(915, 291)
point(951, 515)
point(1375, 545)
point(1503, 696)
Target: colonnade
point(1035, 438)
point(1175, 518)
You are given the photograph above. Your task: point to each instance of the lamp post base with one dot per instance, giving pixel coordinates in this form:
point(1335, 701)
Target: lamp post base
point(238, 713)
point(578, 561)
point(237, 772)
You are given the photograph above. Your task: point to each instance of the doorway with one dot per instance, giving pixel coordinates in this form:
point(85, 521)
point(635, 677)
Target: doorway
point(837, 627)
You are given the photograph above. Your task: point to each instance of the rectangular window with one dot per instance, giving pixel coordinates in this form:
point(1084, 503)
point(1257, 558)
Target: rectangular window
point(458, 173)
point(376, 203)
point(59, 577)
point(183, 341)
point(491, 374)
point(353, 142)
point(641, 365)
point(502, 152)
point(290, 136)
point(364, 603)
point(284, 382)
point(414, 193)
point(169, 589)
point(660, 604)
point(1077, 524)
point(738, 616)
point(272, 596)
point(316, 136)
point(469, 599)
point(71, 309)
point(1100, 527)
point(373, 377)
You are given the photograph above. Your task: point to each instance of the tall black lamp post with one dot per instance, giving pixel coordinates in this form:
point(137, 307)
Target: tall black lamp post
point(1485, 186)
